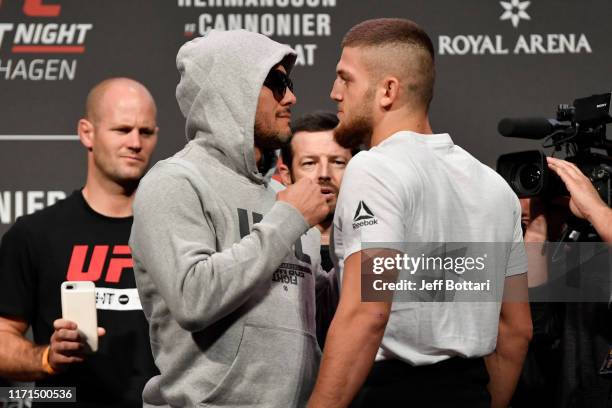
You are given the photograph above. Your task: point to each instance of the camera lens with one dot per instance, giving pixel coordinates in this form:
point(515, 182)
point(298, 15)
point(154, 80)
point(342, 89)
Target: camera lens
point(528, 177)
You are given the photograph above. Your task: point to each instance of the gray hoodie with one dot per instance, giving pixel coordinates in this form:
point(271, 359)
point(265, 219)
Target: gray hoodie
point(225, 273)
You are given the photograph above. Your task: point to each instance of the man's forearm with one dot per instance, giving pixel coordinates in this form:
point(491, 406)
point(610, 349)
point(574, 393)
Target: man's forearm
point(537, 262)
point(20, 359)
point(602, 222)
point(350, 349)
point(505, 365)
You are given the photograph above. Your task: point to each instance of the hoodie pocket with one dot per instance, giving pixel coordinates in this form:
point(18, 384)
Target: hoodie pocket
point(274, 367)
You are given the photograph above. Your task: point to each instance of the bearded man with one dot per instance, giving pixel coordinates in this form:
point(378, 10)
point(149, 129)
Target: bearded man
point(414, 186)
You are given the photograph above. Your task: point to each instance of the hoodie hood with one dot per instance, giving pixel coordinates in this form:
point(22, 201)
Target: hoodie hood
point(221, 77)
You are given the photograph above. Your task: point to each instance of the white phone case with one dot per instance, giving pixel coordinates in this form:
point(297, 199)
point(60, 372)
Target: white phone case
point(79, 306)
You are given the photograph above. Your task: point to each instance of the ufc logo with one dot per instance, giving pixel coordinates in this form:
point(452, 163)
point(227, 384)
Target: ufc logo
point(100, 253)
point(36, 8)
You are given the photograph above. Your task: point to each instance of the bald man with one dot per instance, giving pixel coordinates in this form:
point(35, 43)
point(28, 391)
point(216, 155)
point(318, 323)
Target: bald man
point(84, 238)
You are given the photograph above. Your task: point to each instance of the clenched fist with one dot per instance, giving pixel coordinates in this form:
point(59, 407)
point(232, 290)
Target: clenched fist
point(306, 197)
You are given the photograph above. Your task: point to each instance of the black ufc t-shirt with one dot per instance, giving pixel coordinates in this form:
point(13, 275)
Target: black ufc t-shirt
point(70, 241)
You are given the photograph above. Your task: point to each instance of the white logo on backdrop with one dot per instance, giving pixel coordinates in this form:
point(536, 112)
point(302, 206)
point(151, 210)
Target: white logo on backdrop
point(508, 44)
point(515, 11)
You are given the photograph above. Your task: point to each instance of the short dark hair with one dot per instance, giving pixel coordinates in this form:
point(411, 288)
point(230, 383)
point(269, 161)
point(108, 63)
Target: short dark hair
point(383, 31)
point(403, 33)
point(318, 121)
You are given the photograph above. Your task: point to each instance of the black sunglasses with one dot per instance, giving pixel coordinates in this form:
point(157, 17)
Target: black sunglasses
point(278, 82)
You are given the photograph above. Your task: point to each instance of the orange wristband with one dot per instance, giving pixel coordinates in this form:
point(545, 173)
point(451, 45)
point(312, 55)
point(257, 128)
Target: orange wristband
point(45, 362)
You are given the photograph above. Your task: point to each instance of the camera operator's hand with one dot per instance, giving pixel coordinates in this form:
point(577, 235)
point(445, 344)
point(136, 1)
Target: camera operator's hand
point(66, 345)
point(585, 201)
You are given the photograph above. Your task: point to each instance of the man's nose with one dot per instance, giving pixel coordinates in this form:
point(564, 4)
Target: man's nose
point(335, 92)
point(289, 99)
point(134, 141)
point(324, 173)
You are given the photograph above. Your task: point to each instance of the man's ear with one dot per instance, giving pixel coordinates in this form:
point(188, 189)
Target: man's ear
point(85, 130)
point(285, 173)
point(390, 92)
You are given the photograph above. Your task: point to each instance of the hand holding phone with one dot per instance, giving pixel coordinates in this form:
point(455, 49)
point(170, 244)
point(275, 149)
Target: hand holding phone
point(79, 306)
point(76, 333)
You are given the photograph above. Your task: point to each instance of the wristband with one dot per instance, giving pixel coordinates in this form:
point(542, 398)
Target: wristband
point(45, 362)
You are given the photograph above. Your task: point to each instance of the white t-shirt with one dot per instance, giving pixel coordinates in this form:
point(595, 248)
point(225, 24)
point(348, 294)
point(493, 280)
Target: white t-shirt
point(423, 188)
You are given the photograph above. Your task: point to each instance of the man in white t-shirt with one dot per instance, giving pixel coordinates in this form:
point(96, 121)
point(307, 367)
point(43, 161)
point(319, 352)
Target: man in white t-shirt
point(414, 186)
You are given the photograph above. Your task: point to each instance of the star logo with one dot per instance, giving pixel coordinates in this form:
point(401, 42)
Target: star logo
point(515, 11)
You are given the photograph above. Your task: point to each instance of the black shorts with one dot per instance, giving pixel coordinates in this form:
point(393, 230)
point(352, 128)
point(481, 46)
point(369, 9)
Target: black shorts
point(456, 382)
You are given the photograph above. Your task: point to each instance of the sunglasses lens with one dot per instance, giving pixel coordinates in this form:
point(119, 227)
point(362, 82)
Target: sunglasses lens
point(278, 82)
point(279, 91)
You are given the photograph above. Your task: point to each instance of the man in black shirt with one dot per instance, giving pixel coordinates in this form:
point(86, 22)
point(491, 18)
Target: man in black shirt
point(84, 238)
point(313, 153)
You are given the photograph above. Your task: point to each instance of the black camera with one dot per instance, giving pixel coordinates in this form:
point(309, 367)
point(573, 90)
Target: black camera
point(579, 130)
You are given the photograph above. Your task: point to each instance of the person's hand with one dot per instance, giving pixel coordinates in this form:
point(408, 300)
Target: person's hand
point(535, 221)
point(305, 195)
point(584, 199)
point(533, 217)
point(67, 346)
point(543, 220)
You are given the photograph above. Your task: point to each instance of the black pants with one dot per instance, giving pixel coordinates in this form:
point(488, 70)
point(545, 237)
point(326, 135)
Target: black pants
point(457, 382)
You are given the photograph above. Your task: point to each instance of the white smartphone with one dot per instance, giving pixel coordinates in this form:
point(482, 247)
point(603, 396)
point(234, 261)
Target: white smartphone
point(79, 306)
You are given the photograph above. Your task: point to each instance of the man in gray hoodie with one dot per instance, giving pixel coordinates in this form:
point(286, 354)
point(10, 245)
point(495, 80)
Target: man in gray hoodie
point(225, 270)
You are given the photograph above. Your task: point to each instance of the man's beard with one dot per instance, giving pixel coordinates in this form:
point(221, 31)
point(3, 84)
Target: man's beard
point(354, 134)
point(267, 139)
point(268, 142)
point(357, 131)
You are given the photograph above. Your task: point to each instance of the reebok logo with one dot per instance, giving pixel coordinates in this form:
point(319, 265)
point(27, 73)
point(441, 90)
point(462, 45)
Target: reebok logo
point(363, 216)
point(363, 212)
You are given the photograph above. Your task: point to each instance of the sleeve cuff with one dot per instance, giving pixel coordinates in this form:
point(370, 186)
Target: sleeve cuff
point(287, 220)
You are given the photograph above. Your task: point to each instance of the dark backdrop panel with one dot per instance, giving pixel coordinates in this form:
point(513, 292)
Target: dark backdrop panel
point(476, 87)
